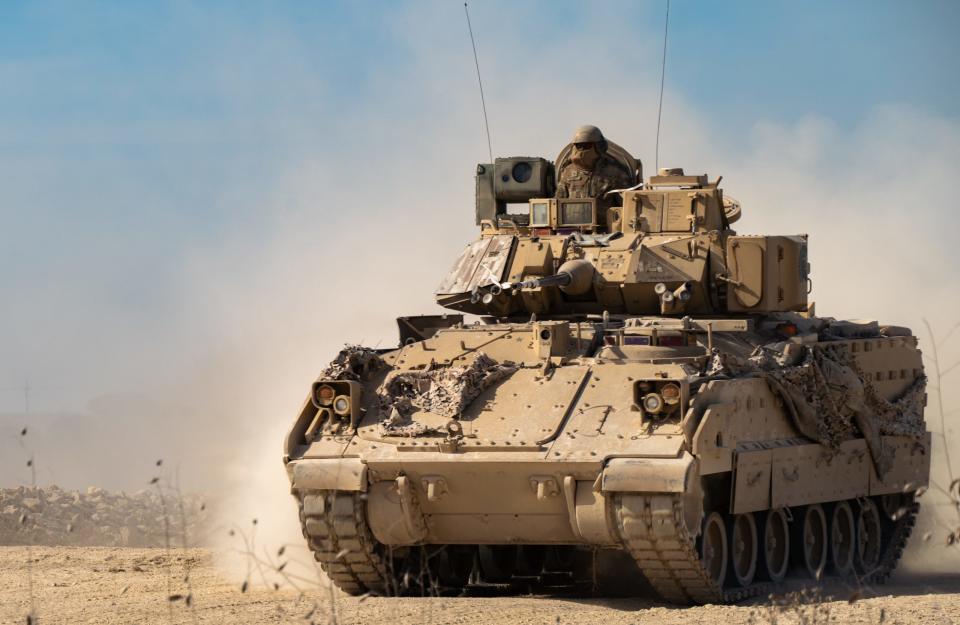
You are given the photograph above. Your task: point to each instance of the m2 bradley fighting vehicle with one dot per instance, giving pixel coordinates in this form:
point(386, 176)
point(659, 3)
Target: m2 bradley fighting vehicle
point(643, 387)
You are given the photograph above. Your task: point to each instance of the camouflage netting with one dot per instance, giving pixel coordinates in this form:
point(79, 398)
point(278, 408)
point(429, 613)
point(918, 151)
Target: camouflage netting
point(829, 398)
point(352, 363)
point(445, 391)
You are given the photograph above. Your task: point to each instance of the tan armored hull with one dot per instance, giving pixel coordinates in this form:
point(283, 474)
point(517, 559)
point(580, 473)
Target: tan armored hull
point(716, 456)
point(647, 392)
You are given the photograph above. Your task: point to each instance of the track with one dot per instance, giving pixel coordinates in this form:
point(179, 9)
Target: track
point(335, 527)
point(897, 533)
point(654, 532)
point(652, 528)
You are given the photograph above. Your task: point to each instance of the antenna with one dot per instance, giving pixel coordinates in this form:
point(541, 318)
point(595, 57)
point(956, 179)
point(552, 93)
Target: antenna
point(663, 74)
point(480, 82)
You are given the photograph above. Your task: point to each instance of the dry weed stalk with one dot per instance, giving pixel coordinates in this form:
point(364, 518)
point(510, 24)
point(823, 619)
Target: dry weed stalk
point(267, 565)
point(164, 491)
point(32, 616)
point(952, 490)
point(185, 543)
point(271, 570)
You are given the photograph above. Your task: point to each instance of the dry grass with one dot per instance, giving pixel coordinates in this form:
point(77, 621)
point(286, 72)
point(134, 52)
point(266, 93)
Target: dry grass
point(31, 617)
point(951, 489)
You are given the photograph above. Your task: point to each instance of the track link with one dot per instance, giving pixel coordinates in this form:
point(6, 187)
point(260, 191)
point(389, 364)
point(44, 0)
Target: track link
point(896, 542)
point(335, 526)
point(653, 531)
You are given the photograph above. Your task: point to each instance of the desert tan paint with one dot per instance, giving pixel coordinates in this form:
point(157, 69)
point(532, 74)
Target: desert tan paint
point(565, 449)
point(505, 481)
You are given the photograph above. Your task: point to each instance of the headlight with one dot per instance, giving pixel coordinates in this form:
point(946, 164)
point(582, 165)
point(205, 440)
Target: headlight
point(653, 403)
point(341, 405)
point(671, 393)
point(325, 395)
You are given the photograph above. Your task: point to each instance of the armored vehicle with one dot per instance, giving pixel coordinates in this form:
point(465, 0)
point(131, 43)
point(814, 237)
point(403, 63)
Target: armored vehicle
point(641, 395)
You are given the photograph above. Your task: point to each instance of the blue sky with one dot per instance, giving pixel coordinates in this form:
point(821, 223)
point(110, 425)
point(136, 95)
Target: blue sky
point(167, 167)
point(781, 60)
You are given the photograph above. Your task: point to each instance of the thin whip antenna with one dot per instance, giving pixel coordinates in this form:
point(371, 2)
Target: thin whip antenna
point(476, 62)
point(663, 74)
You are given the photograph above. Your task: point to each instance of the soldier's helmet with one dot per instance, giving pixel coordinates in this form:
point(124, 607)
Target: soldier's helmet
point(589, 134)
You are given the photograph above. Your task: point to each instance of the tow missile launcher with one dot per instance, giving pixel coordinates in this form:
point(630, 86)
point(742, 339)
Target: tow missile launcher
point(645, 390)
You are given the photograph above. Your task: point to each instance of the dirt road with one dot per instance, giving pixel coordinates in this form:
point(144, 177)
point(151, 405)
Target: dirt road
point(113, 585)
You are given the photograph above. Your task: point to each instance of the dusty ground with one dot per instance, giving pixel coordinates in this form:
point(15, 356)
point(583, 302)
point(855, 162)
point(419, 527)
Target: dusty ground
point(116, 585)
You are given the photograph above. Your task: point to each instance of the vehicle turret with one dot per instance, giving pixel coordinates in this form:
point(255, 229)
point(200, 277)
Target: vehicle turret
point(665, 248)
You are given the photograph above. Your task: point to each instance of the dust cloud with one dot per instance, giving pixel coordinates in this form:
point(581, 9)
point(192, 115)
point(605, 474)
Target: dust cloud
point(354, 234)
point(877, 249)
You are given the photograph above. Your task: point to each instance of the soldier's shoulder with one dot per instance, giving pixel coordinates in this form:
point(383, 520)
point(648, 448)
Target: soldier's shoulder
point(613, 169)
point(613, 166)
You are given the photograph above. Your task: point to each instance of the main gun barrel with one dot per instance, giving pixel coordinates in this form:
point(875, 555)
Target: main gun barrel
point(574, 277)
point(560, 279)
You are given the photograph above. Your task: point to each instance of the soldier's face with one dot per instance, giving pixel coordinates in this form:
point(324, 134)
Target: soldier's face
point(584, 155)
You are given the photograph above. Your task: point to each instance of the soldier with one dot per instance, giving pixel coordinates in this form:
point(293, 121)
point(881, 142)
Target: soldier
point(591, 172)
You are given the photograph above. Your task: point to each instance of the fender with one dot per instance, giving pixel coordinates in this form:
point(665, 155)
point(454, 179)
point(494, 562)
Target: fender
point(347, 474)
point(649, 475)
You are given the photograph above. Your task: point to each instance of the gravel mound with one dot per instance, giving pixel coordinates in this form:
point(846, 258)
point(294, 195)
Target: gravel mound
point(53, 516)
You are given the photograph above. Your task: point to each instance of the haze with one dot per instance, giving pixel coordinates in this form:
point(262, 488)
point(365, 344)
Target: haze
point(202, 203)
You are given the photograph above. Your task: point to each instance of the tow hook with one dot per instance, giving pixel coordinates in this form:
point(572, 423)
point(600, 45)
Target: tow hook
point(544, 486)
